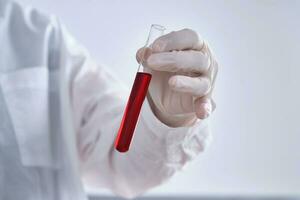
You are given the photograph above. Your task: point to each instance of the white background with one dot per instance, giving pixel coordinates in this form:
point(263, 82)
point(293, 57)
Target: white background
point(256, 125)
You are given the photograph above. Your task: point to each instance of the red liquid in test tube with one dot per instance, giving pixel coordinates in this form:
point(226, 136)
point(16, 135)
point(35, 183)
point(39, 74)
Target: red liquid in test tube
point(136, 99)
point(132, 111)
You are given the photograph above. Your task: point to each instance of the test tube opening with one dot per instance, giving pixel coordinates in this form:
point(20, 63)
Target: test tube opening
point(155, 32)
point(158, 27)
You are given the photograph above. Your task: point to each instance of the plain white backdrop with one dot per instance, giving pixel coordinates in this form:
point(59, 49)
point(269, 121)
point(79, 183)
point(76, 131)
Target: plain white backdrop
point(256, 125)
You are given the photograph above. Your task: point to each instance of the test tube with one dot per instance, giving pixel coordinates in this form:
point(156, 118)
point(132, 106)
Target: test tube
point(136, 97)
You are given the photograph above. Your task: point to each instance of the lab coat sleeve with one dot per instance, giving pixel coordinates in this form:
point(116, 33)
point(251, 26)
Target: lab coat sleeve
point(157, 151)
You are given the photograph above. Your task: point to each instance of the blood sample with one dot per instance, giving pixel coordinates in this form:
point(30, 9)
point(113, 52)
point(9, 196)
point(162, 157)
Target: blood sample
point(136, 98)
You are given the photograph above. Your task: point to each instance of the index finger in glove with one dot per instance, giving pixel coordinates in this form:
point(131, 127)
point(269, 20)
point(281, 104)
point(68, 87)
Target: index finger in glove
point(178, 40)
point(142, 54)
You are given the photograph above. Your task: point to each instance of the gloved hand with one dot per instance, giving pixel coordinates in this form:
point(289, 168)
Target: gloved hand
point(183, 75)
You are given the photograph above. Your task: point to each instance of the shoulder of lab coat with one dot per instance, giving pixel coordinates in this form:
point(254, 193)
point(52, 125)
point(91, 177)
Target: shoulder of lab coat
point(98, 100)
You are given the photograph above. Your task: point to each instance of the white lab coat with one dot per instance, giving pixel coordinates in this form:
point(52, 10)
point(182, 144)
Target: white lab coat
point(38, 57)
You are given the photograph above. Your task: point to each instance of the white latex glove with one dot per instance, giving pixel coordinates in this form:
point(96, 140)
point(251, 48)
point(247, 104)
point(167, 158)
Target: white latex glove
point(183, 75)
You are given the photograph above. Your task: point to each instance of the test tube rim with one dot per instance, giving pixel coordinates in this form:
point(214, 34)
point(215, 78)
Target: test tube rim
point(159, 27)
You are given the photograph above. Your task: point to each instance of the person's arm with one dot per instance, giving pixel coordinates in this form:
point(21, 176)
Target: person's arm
point(157, 151)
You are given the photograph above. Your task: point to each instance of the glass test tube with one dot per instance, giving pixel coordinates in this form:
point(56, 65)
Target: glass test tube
point(136, 98)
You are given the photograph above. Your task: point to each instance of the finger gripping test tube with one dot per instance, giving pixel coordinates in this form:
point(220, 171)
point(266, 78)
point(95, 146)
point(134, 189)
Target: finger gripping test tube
point(136, 97)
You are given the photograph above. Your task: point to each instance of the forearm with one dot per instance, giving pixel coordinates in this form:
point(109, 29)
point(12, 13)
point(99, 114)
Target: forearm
point(156, 153)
